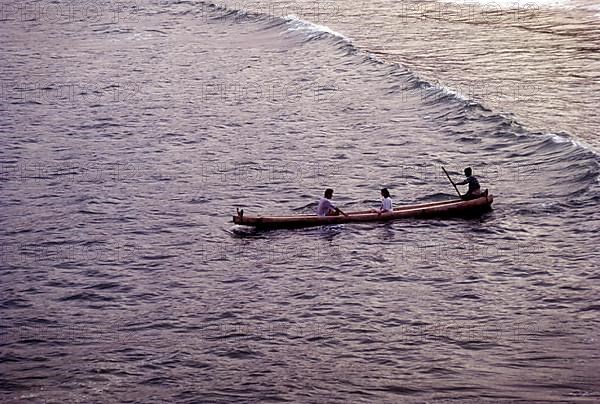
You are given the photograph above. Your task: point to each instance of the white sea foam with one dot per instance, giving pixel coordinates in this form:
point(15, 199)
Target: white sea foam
point(451, 91)
point(556, 138)
point(297, 24)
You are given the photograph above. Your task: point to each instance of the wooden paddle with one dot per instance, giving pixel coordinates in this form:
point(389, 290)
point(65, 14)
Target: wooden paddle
point(452, 182)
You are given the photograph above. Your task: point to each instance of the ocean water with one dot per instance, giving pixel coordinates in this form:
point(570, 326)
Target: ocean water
point(131, 133)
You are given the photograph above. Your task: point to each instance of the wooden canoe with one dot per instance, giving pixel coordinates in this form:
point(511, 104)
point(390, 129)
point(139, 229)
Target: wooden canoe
point(452, 208)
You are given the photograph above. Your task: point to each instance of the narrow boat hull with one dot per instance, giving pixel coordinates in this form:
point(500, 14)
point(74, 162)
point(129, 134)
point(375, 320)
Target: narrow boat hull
point(452, 208)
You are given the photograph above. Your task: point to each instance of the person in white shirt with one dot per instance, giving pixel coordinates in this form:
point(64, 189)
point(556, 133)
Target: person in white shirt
point(326, 207)
point(387, 205)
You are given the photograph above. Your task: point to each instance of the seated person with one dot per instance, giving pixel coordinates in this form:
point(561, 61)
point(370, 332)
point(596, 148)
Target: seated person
point(474, 191)
point(326, 207)
point(386, 202)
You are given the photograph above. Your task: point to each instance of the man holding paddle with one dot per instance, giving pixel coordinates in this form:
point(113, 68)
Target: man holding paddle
point(326, 207)
point(474, 190)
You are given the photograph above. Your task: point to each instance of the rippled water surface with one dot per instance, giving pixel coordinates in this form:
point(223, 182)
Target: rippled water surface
point(129, 137)
point(537, 62)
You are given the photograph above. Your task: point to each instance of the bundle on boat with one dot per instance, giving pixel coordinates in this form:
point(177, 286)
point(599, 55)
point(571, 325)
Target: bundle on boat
point(451, 208)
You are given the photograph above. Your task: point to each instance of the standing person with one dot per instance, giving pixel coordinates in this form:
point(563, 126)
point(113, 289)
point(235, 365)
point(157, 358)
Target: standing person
point(474, 188)
point(387, 205)
point(326, 207)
